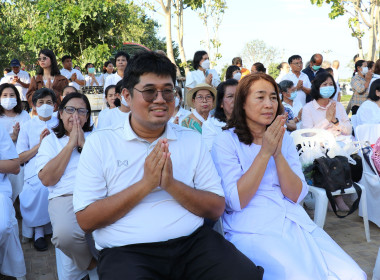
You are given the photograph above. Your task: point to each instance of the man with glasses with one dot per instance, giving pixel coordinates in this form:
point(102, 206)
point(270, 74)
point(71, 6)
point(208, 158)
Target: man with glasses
point(20, 79)
point(299, 79)
point(145, 187)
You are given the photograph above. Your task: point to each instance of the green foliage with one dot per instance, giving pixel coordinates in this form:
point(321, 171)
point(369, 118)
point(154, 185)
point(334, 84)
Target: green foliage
point(273, 71)
point(337, 7)
point(223, 72)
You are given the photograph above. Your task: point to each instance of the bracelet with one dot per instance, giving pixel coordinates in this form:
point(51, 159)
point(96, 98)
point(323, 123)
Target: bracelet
point(337, 120)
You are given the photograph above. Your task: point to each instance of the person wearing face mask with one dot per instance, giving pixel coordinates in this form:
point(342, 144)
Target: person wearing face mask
point(90, 78)
point(34, 196)
point(202, 72)
point(239, 63)
point(291, 105)
point(360, 84)
point(314, 68)
point(233, 72)
point(179, 113)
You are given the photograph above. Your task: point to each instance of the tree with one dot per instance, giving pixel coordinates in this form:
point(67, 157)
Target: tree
point(258, 51)
point(364, 17)
point(273, 70)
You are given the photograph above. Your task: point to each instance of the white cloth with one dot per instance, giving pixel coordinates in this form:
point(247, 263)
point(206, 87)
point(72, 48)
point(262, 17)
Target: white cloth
point(368, 112)
point(24, 78)
point(113, 159)
point(50, 147)
point(68, 74)
point(280, 76)
point(197, 77)
point(336, 75)
point(374, 78)
point(111, 118)
point(210, 130)
point(103, 78)
point(181, 114)
point(7, 151)
point(301, 95)
point(112, 79)
point(9, 122)
point(88, 80)
point(273, 231)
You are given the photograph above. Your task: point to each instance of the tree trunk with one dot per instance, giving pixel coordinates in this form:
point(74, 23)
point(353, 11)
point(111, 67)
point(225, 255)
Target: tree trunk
point(179, 7)
point(168, 23)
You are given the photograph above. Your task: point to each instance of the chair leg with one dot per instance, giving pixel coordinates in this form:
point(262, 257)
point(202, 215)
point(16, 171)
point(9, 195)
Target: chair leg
point(363, 206)
point(320, 209)
point(21, 278)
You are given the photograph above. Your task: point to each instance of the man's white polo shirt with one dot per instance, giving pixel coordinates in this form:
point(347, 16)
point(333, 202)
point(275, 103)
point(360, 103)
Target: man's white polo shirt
point(23, 76)
point(68, 74)
point(113, 159)
point(301, 95)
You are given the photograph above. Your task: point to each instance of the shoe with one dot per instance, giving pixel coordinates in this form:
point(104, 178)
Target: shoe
point(40, 244)
point(341, 204)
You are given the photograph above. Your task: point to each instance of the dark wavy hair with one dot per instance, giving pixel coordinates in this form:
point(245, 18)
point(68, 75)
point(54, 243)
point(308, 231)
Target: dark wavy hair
point(318, 80)
point(260, 67)
point(377, 67)
point(221, 90)
point(87, 65)
point(231, 69)
point(197, 58)
point(43, 92)
point(60, 130)
point(54, 65)
point(18, 108)
point(105, 66)
point(238, 116)
point(358, 64)
point(375, 86)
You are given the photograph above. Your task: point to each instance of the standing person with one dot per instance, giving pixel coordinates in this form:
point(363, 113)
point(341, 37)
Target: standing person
point(299, 79)
point(48, 75)
point(12, 118)
point(20, 79)
point(56, 164)
point(239, 63)
point(335, 67)
point(90, 78)
point(369, 111)
point(314, 68)
point(284, 69)
point(145, 212)
point(202, 99)
point(74, 76)
point(202, 72)
point(108, 69)
point(121, 59)
point(337, 96)
point(12, 258)
point(359, 84)
point(264, 185)
point(179, 112)
point(34, 195)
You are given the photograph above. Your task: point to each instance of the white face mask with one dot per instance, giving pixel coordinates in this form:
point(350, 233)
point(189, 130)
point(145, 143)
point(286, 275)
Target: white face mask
point(8, 103)
point(124, 102)
point(176, 102)
point(364, 70)
point(45, 110)
point(237, 76)
point(206, 64)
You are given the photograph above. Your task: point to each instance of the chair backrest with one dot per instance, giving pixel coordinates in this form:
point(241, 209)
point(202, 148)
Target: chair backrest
point(354, 121)
point(313, 137)
point(368, 132)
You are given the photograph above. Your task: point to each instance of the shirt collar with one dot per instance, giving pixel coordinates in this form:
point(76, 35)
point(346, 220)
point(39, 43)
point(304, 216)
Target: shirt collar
point(317, 106)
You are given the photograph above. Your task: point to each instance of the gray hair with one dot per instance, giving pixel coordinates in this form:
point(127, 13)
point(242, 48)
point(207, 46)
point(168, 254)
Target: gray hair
point(285, 85)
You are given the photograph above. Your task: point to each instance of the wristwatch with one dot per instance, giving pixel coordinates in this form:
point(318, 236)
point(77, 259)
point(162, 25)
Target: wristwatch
point(337, 120)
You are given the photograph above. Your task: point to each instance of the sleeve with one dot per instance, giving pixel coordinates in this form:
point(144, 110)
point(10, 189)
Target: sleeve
point(107, 82)
point(307, 119)
point(80, 76)
point(215, 78)
point(208, 134)
point(190, 82)
point(26, 78)
point(31, 90)
point(344, 125)
point(306, 82)
point(46, 152)
point(90, 184)
point(229, 168)
point(7, 148)
point(358, 85)
point(22, 140)
point(24, 117)
point(102, 119)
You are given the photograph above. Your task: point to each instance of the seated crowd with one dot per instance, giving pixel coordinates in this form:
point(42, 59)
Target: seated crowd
point(146, 181)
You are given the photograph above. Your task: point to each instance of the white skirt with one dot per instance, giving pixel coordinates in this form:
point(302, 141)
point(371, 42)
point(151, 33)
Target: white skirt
point(34, 203)
point(296, 253)
point(17, 182)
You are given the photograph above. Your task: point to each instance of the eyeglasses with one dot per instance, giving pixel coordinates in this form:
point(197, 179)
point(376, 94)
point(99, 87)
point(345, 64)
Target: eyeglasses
point(206, 98)
point(42, 58)
point(297, 63)
point(151, 94)
point(71, 110)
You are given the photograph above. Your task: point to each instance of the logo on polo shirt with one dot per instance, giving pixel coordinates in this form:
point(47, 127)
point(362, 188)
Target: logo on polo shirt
point(122, 162)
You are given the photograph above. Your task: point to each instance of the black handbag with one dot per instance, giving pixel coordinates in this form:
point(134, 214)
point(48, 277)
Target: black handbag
point(334, 174)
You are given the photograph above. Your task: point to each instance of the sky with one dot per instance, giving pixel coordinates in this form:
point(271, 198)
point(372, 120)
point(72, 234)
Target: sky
point(295, 26)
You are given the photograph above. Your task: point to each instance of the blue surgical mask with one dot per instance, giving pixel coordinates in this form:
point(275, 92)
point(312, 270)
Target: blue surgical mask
point(315, 67)
point(326, 92)
point(293, 95)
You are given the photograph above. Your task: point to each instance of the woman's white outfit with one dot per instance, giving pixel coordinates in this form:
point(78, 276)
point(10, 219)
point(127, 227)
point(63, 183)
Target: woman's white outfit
point(181, 114)
point(211, 128)
point(198, 76)
point(368, 112)
point(273, 231)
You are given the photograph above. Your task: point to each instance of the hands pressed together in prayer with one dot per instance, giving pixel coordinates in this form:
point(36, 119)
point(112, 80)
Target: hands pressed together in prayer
point(272, 140)
point(76, 134)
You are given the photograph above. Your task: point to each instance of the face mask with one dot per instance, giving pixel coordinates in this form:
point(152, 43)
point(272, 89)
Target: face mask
point(8, 103)
point(293, 95)
point(176, 102)
point(237, 76)
point(124, 102)
point(326, 92)
point(364, 70)
point(45, 110)
point(206, 64)
point(315, 67)
point(91, 70)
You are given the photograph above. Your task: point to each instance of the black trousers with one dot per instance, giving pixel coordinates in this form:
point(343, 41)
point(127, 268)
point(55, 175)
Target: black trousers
point(204, 255)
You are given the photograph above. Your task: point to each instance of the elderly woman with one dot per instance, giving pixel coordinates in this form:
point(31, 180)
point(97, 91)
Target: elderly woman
point(263, 185)
point(292, 106)
point(202, 99)
point(179, 113)
point(223, 110)
point(360, 83)
point(369, 111)
point(202, 72)
point(56, 165)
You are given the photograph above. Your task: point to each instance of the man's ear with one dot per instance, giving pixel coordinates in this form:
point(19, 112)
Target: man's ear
point(127, 95)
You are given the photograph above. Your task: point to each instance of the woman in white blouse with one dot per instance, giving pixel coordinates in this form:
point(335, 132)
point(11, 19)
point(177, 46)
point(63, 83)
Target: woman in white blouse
point(263, 185)
point(179, 112)
point(369, 111)
point(90, 77)
point(56, 165)
point(223, 110)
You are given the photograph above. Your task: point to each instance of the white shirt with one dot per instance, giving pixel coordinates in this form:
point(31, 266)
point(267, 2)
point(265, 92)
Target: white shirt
point(29, 137)
point(211, 128)
point(374, 77)
point(369, 112)
point(336, 75)
point(68, 75)
point(7, 151)
point(9, 122)
point(113, 160)
point(88, 80)
point(181, 114)
point(23, 76)
point(279, 78)
point(196, 77)
point(111, 118)
point(112, 79)
point(301, 95)
point(50, 147)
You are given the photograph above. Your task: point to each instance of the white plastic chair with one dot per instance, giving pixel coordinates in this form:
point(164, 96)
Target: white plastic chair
point(354, 121)
point(316, 138)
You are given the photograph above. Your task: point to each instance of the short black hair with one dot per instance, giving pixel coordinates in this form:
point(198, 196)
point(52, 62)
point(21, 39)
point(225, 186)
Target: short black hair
point(237, 60)
point(197, 58)
point(355, 57)
point(294, 57)
point(60, 130)
point(119, 87)
point(122, 53)
point(260, 67)
point(18, 108)
point(105, 66)
point(370, 64)
point(147, 62)
point(358, 64)
point(319, 79)
point(231, 69)
point(108, 89)
point(312, 59)
point(285, 85)
point(54, 70)
point(375, 86)
point(65, 57)
point(75, 90)
point(87, 65)
point(43, 92)
point(279, 67)
point(221, 90)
